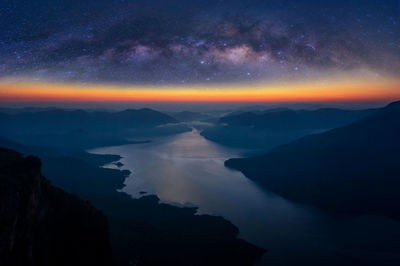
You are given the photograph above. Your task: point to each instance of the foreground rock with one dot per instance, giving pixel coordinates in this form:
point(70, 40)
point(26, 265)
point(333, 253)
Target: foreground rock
point(42, 225)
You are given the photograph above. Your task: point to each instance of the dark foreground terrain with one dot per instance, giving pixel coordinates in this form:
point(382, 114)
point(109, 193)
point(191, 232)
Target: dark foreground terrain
point(41, 224)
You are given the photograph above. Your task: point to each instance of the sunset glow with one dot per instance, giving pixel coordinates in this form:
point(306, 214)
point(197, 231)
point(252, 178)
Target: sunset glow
point(290, 92)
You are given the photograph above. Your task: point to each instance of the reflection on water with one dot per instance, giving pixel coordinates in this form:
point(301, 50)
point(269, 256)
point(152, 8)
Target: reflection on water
point(189, 170)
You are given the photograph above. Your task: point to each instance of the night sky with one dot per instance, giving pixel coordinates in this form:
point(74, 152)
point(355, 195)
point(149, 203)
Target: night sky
point(179, 42)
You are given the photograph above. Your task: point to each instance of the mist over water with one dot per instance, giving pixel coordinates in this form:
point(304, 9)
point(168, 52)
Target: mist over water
point(188, 170)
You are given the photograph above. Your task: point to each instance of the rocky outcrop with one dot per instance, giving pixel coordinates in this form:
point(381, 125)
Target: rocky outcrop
point(43, 225)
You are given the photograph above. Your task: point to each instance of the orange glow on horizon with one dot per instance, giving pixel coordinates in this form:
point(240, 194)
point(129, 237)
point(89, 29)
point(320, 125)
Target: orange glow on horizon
point(292, 92)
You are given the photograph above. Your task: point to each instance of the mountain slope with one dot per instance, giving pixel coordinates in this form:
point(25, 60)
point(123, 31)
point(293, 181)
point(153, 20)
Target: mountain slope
point(81, 129)
point(270, 128)
point(41, 224)
point(286, 119)
point(353, 169)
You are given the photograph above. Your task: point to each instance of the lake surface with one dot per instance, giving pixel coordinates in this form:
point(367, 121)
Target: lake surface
point(188, 170)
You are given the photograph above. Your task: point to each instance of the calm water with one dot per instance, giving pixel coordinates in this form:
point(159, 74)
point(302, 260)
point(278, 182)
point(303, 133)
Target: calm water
point(189, 170)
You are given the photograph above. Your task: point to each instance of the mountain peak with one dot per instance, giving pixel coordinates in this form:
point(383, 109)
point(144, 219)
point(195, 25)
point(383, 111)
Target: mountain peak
point(394, 106)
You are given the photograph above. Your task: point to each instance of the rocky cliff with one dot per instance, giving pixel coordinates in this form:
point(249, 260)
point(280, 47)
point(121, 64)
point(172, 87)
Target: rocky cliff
point(43, 225)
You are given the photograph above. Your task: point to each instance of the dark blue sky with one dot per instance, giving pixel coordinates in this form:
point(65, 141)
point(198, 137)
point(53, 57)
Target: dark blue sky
point(179, 41)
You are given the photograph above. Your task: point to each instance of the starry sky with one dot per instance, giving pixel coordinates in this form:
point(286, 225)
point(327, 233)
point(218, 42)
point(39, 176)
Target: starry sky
point(202, 45)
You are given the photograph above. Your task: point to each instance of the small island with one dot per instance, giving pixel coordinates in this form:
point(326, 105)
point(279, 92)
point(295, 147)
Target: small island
point(118, 164)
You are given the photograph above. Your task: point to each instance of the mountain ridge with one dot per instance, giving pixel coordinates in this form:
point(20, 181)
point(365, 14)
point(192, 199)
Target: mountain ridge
point(81, 129)
point(350, 169)
point(270, 128)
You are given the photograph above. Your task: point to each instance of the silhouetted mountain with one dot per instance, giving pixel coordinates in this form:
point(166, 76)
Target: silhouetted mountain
point(42, 225)
point(352, 169)
point(285, 119)
point(83, 129)
point(270, 128)
point(141, 117)
point(144, 231)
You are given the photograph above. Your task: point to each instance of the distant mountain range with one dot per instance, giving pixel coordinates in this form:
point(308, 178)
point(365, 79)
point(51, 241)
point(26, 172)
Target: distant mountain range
point(269, 128)
point(84, 129)
point(352, 169)
point(286, 119)
point(188, 116)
